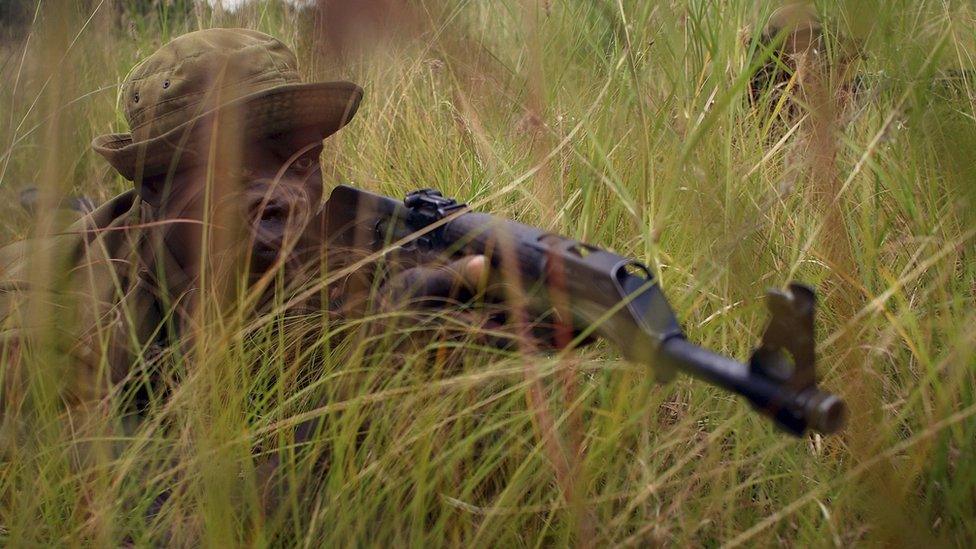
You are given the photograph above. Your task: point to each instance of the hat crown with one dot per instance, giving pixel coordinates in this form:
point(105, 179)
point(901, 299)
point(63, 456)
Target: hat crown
point(198, 71)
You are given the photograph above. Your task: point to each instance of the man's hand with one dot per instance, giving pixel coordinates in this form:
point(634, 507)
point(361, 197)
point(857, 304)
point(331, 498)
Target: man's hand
point(436, 285)
point(466, 290)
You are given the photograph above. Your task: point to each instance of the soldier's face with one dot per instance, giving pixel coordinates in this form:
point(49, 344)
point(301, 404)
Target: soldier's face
point(264, 205)
point(281, 192)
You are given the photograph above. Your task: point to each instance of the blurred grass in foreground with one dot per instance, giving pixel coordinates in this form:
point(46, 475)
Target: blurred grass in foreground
point(633, 121)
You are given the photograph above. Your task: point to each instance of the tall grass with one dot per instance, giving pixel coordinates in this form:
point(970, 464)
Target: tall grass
point(622, 123)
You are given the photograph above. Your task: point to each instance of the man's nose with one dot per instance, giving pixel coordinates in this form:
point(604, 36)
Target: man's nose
point(280, 218)
point(273, 211)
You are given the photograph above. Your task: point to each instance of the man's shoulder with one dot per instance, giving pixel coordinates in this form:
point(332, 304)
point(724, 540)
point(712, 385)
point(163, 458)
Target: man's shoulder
point(122, 212)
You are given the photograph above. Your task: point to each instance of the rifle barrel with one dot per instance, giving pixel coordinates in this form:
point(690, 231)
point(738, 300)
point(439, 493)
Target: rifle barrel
point(794, 410)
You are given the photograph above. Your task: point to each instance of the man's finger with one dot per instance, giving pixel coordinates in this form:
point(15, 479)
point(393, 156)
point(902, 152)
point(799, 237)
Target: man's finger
point(457, 280)
point(474, 270)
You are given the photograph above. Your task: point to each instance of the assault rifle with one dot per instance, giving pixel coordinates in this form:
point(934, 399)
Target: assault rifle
point(613, 297)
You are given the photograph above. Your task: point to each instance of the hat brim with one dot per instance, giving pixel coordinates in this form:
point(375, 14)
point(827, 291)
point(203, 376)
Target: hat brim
point(324, 106)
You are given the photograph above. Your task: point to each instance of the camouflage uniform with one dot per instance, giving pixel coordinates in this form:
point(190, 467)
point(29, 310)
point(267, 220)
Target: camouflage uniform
point(102, 302)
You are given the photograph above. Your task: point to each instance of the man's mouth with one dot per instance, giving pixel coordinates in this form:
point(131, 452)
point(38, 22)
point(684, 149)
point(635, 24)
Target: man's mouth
point(264, 254)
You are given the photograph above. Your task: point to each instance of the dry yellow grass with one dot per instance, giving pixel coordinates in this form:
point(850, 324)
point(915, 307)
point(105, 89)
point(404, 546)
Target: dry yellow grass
point(632, 119)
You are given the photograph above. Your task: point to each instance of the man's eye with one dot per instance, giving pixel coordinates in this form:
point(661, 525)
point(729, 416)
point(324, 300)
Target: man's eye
point(303, 164)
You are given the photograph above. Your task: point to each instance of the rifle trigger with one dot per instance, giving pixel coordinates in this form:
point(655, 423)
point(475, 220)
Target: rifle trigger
point(790, 330)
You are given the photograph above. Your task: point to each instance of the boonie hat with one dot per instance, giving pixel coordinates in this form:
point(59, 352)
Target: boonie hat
point(188, 82)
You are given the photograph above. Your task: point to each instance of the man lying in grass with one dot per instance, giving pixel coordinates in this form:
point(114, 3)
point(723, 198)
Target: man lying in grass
point(224, 158)
point(222, 218)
